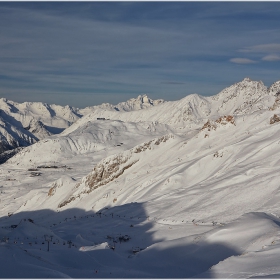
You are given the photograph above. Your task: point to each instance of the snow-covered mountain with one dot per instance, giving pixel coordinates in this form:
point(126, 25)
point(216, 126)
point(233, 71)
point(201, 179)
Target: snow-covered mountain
point(54, 117)
point(42, 120)
point(183, 189)
point(192, 111)
point(133, 104)
point(25, 123)
point(12, 134)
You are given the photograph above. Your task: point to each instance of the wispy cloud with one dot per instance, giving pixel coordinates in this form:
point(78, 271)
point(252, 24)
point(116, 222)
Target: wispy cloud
point(271, 57)
point(270, 50)
point(265, 48)
point(161, 48)
point(172, 83)
point(242, 60)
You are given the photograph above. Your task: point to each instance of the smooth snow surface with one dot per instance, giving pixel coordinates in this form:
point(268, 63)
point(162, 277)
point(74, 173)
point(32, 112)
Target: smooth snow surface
point(183, 189)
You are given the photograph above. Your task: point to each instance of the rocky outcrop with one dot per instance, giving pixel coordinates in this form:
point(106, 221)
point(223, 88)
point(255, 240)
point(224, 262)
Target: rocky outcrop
point(111, 168)
point(276, 104)
point(224, 120)
point(275, 118)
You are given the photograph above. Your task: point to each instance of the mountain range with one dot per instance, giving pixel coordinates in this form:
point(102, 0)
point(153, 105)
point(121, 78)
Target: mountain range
point(143, 189)
point(23, 124)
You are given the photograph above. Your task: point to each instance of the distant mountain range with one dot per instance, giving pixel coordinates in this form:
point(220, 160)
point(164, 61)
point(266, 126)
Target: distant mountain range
point(23, 124)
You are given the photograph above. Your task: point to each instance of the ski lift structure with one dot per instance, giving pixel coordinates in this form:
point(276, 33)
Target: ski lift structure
point(48, 238)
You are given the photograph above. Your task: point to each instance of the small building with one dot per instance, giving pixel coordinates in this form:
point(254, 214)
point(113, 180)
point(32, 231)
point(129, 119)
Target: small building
point(101, 119)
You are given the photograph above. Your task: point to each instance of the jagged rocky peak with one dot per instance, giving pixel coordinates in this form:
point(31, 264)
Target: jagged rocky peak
point(143, 99)
point(141, 102)
point(246, 88)
point(34, 123)
point(133, 104)
point(244, 97)
point(247, 79)
point(274, 89)
point(146, 100)
point(37, 128)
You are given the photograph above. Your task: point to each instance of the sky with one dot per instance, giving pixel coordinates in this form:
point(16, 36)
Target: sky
point(87, 53)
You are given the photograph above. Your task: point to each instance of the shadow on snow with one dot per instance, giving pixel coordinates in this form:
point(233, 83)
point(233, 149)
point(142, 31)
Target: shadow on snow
point(116, 242)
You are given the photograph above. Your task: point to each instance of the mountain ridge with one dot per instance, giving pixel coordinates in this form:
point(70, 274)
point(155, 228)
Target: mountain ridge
point(43, 120)
point(244, 97)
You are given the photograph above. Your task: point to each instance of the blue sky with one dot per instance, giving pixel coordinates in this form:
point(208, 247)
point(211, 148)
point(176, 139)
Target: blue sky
point(87, 53)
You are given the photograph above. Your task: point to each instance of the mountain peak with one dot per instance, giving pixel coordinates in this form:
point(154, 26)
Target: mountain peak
point(141, 102)
point(274, 89)
point(247, 79)
point(242, 97)
point(144, 99)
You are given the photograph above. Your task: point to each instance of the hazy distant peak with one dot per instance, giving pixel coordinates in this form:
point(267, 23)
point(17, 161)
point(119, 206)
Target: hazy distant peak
point(144, 99)
point(141, 102)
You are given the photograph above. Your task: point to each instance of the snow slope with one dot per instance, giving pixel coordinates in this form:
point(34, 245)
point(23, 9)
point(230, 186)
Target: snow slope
point(94, 136)
point(149, 194)
point(12, 135)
